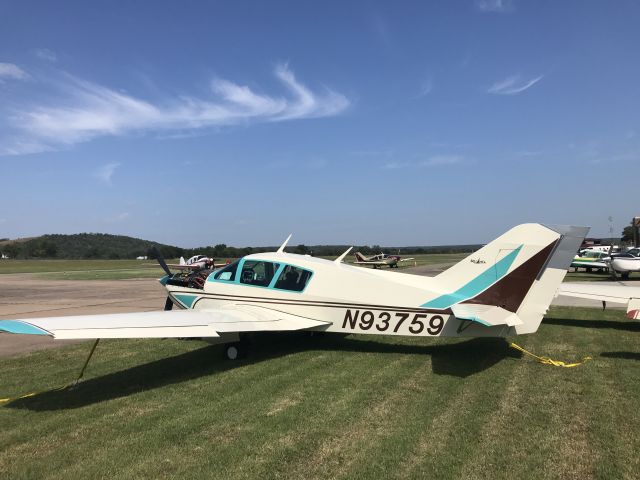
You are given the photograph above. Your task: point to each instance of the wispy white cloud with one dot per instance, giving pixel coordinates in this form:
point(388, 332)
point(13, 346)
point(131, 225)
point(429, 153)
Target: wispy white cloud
point(12, 71)
point(527, 153)
point(513, 85)
point(426, 87)
point(82, 110)
point(498, 6)
point(46, 54)
point(441, 160)
point(118, 217)
point(430, 162)
point(105, 173)
point(311, 164)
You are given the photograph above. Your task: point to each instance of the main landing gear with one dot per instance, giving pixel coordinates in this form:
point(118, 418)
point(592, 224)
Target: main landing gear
point(236, 350)
point(232, 351)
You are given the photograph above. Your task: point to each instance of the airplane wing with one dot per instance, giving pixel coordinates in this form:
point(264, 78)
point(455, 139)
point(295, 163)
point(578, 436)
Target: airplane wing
point(186, 266)
point(371, 262)
point(163, 324)
point(614, 293)
point(194, 266)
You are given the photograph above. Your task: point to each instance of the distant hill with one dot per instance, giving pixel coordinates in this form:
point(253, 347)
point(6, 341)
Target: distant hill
point(106, 246)
point(85, 245)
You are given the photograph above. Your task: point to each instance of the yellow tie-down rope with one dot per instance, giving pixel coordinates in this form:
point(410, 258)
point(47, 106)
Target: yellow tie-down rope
point(547, 360)
point(56, 389)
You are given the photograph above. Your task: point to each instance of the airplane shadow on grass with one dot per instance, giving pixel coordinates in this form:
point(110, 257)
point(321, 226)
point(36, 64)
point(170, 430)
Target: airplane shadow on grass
point(460, 359)
point(622, 355)
point(625, 325)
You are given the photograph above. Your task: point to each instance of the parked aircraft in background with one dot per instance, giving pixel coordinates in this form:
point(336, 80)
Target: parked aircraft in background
point(625, 263)
point(197, 262)
point(380, 260)
point(591, 260)
point(505, 288)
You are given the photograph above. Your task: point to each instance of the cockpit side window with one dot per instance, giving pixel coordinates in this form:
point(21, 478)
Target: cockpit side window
point(258, 272)
point(293, 278)
point(228, 273)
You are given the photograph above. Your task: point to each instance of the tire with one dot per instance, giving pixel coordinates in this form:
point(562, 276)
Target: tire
point(624, 275)
point(232, 351)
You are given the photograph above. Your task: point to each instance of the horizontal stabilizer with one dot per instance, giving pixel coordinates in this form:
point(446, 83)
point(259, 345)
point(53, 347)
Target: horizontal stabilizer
point(487, 315)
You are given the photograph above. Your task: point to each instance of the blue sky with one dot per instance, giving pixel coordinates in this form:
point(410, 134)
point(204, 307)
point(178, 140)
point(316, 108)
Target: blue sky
point(410, 123)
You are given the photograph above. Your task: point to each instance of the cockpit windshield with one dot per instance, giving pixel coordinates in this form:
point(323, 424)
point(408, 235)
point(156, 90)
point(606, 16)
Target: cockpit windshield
point(228, 273)
point(261, 273)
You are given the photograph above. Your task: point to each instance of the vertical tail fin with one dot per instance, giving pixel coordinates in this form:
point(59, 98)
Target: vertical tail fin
point(513, 279)
point(360, 257)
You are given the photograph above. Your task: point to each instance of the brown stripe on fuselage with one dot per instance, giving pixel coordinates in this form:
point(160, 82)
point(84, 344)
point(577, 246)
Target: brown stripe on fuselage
point(511, 289)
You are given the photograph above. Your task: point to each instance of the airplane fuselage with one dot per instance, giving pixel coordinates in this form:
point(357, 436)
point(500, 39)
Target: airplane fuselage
point(381, 303)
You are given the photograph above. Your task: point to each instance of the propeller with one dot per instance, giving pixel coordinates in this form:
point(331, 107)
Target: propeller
point(168, 304)
point(161, 261)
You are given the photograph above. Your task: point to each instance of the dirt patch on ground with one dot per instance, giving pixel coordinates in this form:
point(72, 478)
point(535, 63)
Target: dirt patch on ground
point(27, 296)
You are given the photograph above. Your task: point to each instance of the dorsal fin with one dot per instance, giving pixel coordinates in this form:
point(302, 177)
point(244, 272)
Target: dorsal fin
point(281, 249)
point(341, 257)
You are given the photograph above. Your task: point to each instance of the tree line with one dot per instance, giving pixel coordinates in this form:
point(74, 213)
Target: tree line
point(105, 246)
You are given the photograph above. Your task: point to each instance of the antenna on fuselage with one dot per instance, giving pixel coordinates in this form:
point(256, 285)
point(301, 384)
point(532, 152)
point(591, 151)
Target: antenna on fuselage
point(341, 257)
point(281, 249)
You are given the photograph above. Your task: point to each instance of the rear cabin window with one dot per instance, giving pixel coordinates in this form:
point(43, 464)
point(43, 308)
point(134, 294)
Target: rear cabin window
point(293, 279)
point(228, 273)
point(257, 272)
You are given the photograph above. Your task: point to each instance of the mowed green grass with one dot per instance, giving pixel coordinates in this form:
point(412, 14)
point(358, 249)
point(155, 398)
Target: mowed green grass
point(332, 407)
point(84, 269)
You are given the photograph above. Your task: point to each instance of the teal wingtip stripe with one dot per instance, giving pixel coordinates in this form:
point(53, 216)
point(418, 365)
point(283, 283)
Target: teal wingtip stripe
point(478, 284)
point(16, 326)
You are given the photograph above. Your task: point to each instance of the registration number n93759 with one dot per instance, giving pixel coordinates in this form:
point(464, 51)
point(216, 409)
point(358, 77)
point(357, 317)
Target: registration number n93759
point(393, 322)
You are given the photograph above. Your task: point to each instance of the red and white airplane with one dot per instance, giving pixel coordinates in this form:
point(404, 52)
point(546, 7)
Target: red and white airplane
point(380, 260)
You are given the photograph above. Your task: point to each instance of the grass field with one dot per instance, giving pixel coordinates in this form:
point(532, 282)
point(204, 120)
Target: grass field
point(331, 407)
point(84, 269)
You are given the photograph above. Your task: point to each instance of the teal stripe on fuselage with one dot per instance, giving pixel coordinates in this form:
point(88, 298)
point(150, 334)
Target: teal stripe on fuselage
point(15, 326)
point(483, 281)
point(186, 300)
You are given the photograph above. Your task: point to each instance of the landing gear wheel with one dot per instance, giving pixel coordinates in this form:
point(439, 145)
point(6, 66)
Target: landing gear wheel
point(624, 275)
point(233, 351)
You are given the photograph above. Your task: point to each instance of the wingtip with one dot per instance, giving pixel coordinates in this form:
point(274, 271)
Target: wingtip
point(20, 327)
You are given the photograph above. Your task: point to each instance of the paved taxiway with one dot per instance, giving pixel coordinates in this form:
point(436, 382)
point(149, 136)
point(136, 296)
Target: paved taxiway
point(30, 296)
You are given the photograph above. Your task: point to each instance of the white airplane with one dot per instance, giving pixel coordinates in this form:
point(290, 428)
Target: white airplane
point(196, 262)
point(380, 260)
point(625, 263)
point(505, 288)
point(607, 293)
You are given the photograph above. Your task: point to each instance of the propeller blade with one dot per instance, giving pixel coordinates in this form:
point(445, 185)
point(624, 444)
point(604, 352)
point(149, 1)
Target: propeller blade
point(168, 305)
point(161, 261)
